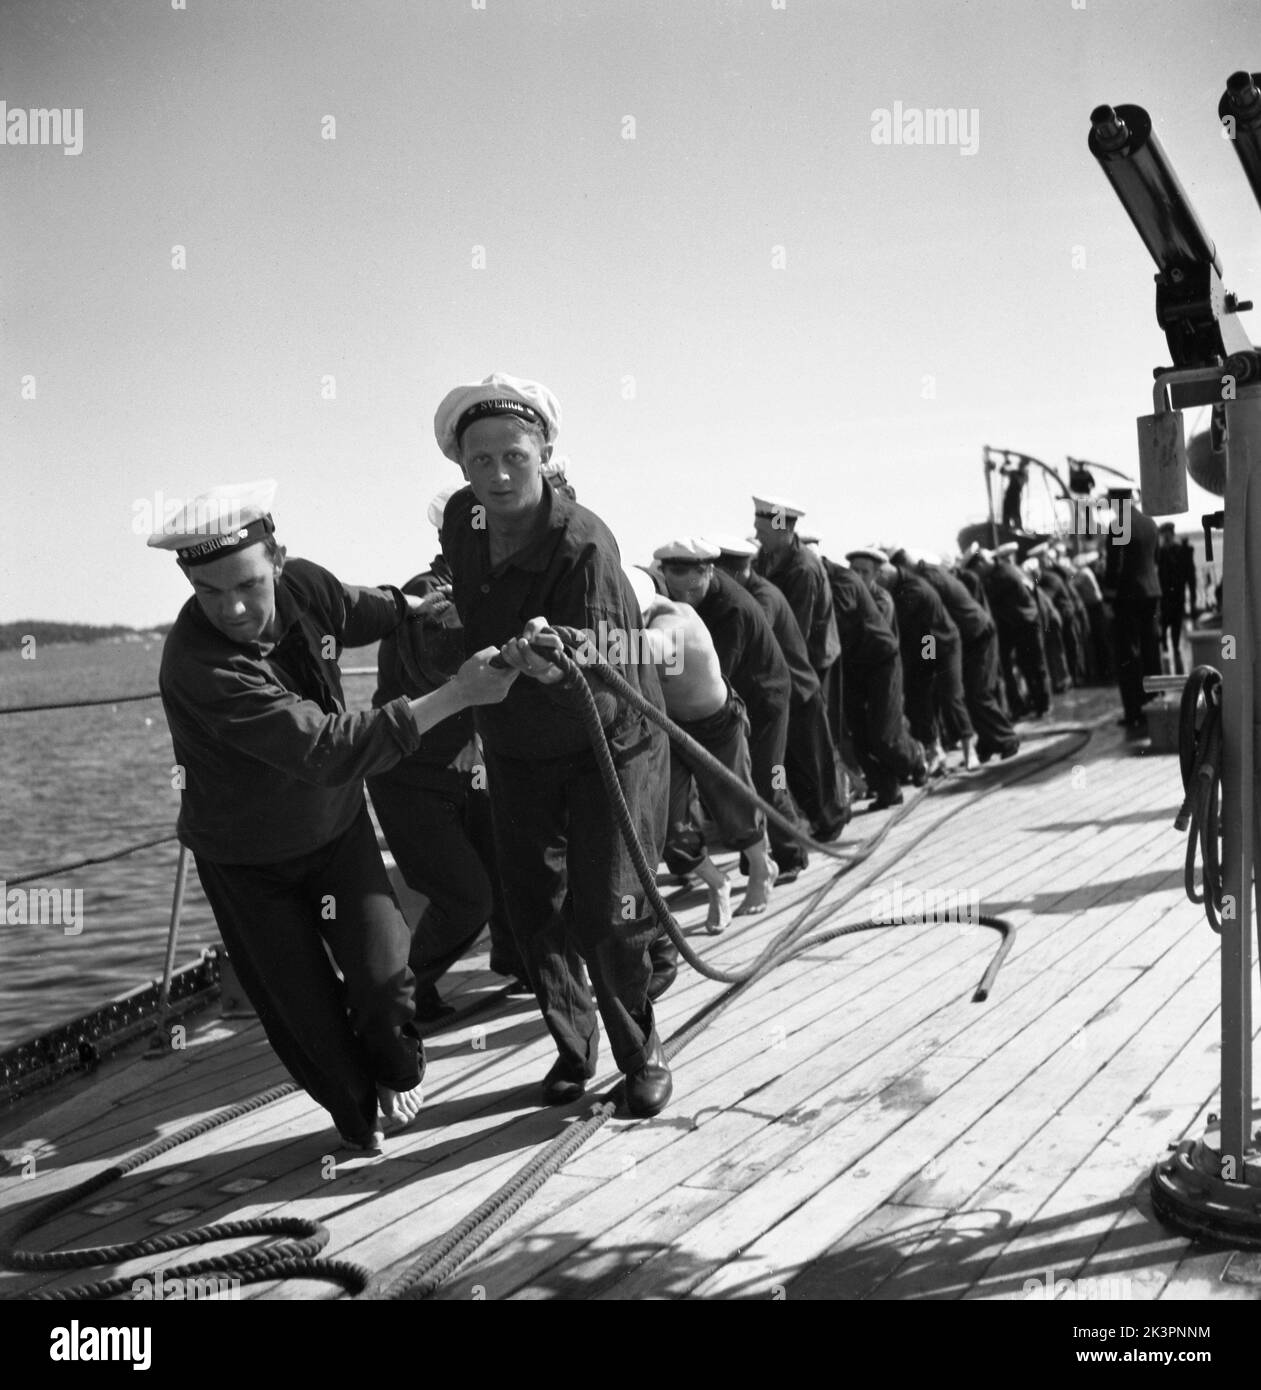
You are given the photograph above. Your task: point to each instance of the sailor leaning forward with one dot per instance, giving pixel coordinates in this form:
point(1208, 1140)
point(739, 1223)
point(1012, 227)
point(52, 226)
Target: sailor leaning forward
point(272, 805)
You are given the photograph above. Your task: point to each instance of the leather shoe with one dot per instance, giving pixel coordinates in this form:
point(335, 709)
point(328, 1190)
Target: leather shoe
point(919, 774)
point(431, 1007)
point(649, 1088)
point(823, 832)
point(565, 1082)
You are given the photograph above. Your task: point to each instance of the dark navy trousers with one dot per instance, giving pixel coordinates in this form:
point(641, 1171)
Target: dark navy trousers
point(338, 1039)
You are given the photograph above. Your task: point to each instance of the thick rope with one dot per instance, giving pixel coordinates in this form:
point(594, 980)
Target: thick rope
point(444, 1256)
point(295, 1258)
point(265, 1262)
point(291, 1260)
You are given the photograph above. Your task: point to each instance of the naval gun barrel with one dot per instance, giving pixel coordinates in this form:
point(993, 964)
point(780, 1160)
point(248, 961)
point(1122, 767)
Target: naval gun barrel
point(1240, 111)
point(1135, 164)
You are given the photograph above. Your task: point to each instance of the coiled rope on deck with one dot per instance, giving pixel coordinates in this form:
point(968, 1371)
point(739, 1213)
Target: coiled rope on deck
point(290, 1258)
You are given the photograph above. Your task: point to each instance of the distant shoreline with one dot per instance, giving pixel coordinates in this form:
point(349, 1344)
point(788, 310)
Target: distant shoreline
point(49, 634)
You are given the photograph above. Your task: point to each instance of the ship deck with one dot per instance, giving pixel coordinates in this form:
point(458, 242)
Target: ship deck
point(854, 1126)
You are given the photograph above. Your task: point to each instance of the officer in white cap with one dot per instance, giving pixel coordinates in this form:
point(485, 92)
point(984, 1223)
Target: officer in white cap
point(519, 547)
point(815, 777)
point(751, 663)
point(798, 573)
point(272, 800)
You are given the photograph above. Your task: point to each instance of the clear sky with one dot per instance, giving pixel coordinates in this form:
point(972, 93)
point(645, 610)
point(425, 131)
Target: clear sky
point(748, 295)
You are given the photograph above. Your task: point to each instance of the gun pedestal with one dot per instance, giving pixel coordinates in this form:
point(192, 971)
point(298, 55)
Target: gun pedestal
point(1210, 1187)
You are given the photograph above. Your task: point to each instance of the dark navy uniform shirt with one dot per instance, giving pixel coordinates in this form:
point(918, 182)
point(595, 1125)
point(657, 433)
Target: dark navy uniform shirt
point(972, 620)
point(805, 683)
point(866, 638)
point(798, 572)
point(1011, 600)
point(417, 659)
point(748, 653)
point(1130, 568)
point(921, 614)
point(273, 763)
point(570, 574)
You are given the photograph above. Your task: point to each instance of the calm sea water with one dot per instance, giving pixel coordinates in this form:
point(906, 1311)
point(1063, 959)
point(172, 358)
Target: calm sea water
point(82, 782)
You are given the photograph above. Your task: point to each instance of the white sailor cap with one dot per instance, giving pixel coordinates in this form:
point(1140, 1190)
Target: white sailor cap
point(695, 549)
point(867, 552)
point(499, 394)
point(1085, 557)
point(807, 540)
point(223, 519)
point(1038, 551)
point(438, 507)
point(732, 545)
point(776, 507)
point(642, 583)
point(1006, 550)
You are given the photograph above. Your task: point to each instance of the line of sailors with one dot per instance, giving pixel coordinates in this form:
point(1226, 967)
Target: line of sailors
point(853, 679)
point(488, 793)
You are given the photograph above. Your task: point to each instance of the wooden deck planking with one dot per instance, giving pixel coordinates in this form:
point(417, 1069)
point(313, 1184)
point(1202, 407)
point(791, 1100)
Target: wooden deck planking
point(745, 1150)
point(629, 1290)
point(805, 1114)
point(1032, 1233)
point(778, 1253)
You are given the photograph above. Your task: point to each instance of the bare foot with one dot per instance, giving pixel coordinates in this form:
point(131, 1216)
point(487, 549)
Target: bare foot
point(756, 895)
point(400, 1108)
point(719, 918)
point(970, 761)
point(757, 892)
